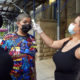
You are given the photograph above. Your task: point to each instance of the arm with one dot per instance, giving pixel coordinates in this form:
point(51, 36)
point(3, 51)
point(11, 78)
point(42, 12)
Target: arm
point(5, 42)
point(51, 43)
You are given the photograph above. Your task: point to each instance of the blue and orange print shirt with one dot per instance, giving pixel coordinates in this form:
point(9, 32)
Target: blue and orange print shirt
point(22, 49)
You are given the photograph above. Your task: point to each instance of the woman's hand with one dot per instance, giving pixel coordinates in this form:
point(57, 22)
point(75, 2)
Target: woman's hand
point(36, 27)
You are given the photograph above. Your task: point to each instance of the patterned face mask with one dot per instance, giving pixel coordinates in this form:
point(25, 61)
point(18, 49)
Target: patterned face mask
point(25, 28)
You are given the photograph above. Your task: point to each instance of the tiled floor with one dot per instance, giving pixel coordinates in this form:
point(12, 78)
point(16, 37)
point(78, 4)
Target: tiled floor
point(45, 69)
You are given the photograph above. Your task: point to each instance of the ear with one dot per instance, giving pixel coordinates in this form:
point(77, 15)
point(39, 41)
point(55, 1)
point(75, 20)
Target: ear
point(18, 24)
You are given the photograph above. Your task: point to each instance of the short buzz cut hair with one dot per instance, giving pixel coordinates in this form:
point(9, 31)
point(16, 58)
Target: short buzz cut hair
point(21, 16)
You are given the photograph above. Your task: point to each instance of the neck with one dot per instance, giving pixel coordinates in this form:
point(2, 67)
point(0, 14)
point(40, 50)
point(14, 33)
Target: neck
point(76, 36)
point(19, 32)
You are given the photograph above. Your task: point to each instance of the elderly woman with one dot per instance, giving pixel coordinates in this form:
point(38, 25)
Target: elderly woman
point(67, 58)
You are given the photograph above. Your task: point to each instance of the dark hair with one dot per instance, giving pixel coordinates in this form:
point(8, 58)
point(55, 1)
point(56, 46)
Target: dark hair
point(21, 16)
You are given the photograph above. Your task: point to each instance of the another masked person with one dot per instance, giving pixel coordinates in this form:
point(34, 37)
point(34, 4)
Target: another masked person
point(67, 58)
point(21, 46)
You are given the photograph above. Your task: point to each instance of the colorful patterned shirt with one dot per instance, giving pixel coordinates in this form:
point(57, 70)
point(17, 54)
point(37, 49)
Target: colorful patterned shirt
point(22, 49)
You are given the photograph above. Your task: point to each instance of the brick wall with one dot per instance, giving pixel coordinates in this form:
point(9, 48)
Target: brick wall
point(49, 27)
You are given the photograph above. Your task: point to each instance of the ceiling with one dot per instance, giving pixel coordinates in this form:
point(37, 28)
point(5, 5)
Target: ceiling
point(9, 9)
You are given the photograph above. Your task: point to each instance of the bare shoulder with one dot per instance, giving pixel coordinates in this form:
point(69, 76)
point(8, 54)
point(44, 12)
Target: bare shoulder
point(58, 43)
point(77, 53)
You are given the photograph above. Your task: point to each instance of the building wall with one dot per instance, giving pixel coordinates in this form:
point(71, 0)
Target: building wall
point(71, 13)
point(50, 28)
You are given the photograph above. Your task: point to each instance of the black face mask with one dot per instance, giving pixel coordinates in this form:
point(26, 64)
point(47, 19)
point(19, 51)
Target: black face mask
point(25, 28)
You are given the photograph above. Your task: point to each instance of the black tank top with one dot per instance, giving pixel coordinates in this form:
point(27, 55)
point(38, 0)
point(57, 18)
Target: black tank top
point(67, 65)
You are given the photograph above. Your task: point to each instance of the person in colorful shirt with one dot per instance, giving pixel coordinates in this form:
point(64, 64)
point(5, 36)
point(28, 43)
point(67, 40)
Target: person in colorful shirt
point(22, 48)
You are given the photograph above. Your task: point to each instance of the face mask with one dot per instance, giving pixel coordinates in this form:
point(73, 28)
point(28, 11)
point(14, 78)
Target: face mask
point(25, 28)
point(70, 29)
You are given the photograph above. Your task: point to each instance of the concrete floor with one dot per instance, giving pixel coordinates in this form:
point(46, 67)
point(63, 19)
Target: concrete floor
point(45, 69)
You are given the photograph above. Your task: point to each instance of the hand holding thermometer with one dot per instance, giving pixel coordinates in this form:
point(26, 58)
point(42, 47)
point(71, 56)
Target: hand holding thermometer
point(36, 27)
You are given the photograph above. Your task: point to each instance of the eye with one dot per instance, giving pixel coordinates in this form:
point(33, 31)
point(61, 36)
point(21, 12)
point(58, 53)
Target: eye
point(24, 21)
point(27, 22)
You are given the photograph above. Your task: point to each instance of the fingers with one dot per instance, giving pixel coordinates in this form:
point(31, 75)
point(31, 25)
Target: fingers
point(33, 23)
point(36, 27)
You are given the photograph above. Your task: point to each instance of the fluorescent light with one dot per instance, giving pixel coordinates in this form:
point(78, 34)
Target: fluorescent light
point(51, 1)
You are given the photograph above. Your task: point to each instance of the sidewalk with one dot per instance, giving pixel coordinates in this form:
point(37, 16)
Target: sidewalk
point(45, 69)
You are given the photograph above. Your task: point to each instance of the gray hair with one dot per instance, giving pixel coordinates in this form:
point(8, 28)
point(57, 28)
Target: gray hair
point(21, 16)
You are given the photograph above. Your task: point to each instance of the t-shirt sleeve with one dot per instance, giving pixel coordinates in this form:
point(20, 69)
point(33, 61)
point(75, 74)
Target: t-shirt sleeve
point(5, 42)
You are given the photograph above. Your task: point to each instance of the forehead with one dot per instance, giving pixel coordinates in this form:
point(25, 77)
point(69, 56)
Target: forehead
point(77, 20)
point(26, 19)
